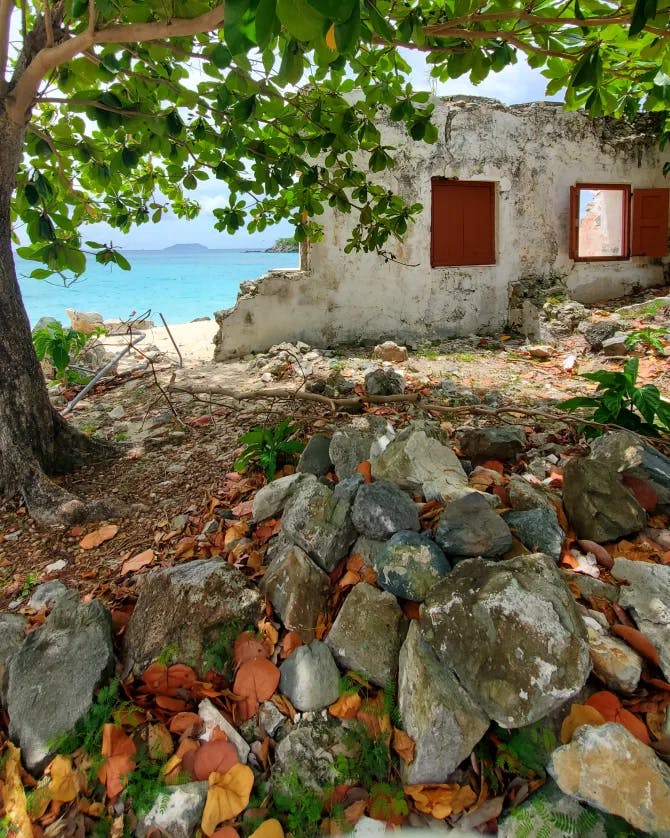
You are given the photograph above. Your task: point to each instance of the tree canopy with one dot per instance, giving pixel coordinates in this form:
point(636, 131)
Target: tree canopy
point(132, 102)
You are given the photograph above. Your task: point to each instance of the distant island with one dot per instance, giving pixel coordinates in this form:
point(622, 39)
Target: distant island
point(193, 247)
point(288, 245)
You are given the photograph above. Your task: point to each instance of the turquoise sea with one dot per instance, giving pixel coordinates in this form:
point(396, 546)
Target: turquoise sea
point(182, 286)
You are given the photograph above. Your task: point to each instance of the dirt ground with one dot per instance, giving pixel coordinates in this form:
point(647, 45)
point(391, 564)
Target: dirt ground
point(175, 473)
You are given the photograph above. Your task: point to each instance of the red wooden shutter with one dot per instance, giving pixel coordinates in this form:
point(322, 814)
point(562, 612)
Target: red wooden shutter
point(650, 222)
point(573, 240)
point(462, 223)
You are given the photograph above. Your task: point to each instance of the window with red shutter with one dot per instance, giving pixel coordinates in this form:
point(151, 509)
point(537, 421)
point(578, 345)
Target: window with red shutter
point(650, 222)
point(599, 222)
point(462, 223)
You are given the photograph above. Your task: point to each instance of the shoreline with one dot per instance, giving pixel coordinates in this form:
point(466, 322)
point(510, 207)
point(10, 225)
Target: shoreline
point(194, 340)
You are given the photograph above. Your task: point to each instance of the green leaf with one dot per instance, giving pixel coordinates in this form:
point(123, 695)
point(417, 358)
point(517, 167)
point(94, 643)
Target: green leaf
point(291, 67)
point(301, 20)
point(647, 400)
point(266, 19)
point(238, 28)
point(121, 261)
point(578, 401)
point(379, 24)
point(336, 10)
point(221, 56)
point(644, 10)
point(347, 34)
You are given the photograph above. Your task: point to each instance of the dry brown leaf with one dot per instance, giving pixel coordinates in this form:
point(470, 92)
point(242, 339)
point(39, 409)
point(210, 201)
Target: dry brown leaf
point(13, 794)
point(355, 811)
point(179, 761)
point(98, 537)
point(441, 801)
point(238, 530)
point(228, 795)
point(255, 682)
point(268, 829)
point(159, 742)
point(247, 647)
point(138, 562)
point(225, 832)
point(350, 578)
point(636, 640)
point(271, 634)
point(63, 786)
point(185, 723)
point(292, 641)
point(119, 750)
point(580, 714)
point(346, 706)
point(216, 755)
point(403, 745)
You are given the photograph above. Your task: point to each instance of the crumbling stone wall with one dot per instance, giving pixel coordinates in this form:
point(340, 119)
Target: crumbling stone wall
point(533, 153)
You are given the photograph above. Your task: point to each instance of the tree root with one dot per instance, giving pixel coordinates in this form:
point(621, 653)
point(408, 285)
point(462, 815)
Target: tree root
point(74, 449)
point(50, 504)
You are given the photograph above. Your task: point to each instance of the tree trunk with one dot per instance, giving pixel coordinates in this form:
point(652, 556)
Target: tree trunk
point(35, 441)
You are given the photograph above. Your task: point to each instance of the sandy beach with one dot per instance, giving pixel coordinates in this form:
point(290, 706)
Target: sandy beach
point(193, 339)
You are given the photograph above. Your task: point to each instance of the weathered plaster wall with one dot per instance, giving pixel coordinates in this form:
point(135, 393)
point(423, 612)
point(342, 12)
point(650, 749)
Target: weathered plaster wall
point(534, 153)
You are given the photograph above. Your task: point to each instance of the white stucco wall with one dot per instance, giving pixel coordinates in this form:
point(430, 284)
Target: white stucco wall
point(533, 153)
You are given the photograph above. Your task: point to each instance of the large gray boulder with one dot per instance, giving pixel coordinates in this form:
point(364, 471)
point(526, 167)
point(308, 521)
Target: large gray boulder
point(631, 455)
point(12, 635)
point(538, 530)
point(598, 505)
point(183, 607)
point(54, 674)
point(420, 454)
point(271, 499)
point(598, 331)
point(384, 382)
point(409, 565)
point(381, 509)
point(315, 458)
point(310, 678)
point(469, 527)
point(498, 443)
point(647, 596)
point(297, 589)
point(320, 524)
point(512, 634)
point(609, 768)
point(366, 437)
point(437, 713)
point(367, 633)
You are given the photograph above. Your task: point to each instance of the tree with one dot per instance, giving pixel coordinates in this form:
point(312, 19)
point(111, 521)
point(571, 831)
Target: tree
point(115, 109)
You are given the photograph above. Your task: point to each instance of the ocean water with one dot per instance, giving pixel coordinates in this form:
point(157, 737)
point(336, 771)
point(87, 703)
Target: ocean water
point(180, 285)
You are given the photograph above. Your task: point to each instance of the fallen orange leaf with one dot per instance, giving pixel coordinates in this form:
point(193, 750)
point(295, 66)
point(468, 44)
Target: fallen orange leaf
point(228, 795)
point(217, 755)
point(403, 745)
point(580, 714)
point(98, 537)
point(365, 469)
point(119, 749)
point(256, 681)
point(441, 801)
point(290, 643)
point(346, 706)
point(13, 793)
point(138, 562)
point(225, 832)
point(269, 829)
point(636, 640)
point(185, 722)
point(247, 647)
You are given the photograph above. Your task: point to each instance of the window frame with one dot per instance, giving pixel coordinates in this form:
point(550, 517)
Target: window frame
point(626, 188)
point(444, 183)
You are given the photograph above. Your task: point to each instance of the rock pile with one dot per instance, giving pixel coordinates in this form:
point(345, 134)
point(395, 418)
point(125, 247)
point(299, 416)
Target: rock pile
point(459, 600)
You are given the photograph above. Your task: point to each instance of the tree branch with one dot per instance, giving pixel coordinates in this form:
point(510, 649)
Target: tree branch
point(23, 95)
point(48, 24)
point(6, 9)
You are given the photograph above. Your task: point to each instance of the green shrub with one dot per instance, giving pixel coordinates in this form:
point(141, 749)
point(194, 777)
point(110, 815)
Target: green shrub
point(268, 447)
point(59, 346)
point(619, 401)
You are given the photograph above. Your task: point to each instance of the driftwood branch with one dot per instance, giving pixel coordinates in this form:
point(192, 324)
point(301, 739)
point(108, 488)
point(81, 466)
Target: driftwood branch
point(49, 58)
point(302, 395)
